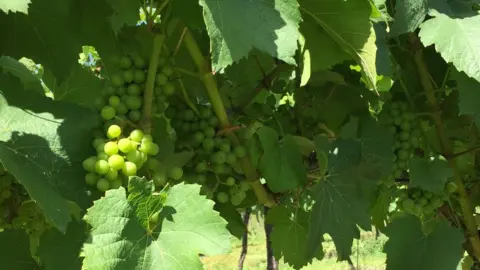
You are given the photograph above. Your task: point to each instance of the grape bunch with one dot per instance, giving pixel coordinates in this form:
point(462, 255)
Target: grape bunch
point(215, 164)
point(422, 202)
point(118, 157)
point(403, 125)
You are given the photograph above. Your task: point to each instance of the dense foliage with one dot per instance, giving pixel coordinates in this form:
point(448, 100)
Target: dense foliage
point(134, 133)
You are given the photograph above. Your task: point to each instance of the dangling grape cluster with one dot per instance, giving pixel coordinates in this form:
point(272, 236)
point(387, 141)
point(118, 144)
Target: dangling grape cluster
point(403, 125)
point(422, 202)
point(215, 164)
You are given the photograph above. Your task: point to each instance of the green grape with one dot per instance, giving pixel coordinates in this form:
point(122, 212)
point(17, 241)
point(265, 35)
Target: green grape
point(125, 145)
point(213, 121)
point(397, 121)
point(159, 178)
point(170, 112)
point(417, 210)
point(102, 156)
point(91, 179)
point(219, 169)
point(422, 201)
point(117, 80)
point(101, 167)
point(169, 89)
point(237, 198)
point(198, 137)
point(121, 109)
point(128, 76)
point(125, 62)
point(153, 164)
point(110, 148)
point(167, 70)
point(114, 184)
point(218, 142)
point(154, 150)
point(403, 155)
point(201, 167)
point(415, 142)
point(231, 158)
point(416, 194)
point(225, 147)
point(404, 135)
point(89, 164)
point(147, 137)
point(230, 181)
point(427, 195)
point(405, 145)
point(200, 178)
point(408, 205)
point(219, 157)
point(157, 90)
point(139, 62)
point(100, 147)
point(129, 168)
point(451, 187)
point(194, 126)
point(112, 174)
point(209, 132)
point(133, 102)
point(161, 62)
point(161, 79)
point(185, 127)
point(222, 197)
point(134, 90)
point(116, 162)
point(135, 115)
point(139, 76)
point(114, 131)
point(406, 126)
point(245, 185)
point(208, 144)
point(175, 173)
point(428, 209)
point(108, 112)
point(121, 91)
point(240, 151)
point(135, 157)
point(206, 113)
point(103, 185)
point(136, 135)
point(188, 115)
point(114, 101)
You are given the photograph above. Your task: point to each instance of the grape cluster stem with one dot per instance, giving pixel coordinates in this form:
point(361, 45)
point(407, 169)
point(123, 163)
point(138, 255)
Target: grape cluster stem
point(446, 148)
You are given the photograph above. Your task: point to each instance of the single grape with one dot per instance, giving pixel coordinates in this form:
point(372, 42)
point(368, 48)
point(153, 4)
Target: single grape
point(101, 167)
point(111, 175)
point(417, 210)
point(117, 80)
point(146, 146)
point(161, 79)
point(230, 181)
point(129, 168)
point(245, 185)
point(114, 131)
point(125, 145)
point(422, 201)
point(147, 137)
point(198, 137)
point(133, 102)
point(240, 151)
point(135, 115)
point(114, 101)
point(116, 162)
point(89, 164)
point(139, 76)
point(219, 169)
point(167, 70)
point(408, 205)
point(188, 115)
point(168, 89)
point(403, 155)
point(203, 125)
point(103, 185)
point(154, 150)
point(108, 112)
point(128, 76)
point(194, 126)
point(222, 197)
point(206, 113)
point(125, 62)
point(91, 179)
point(175, 173)
point(121, 91)
point(451, 187)
point(231, 158)
point(110, 148)
point(201, 167)
point(102, 156)
point(139, 62)
point(225, 147)
point(161, 62)
point(137, 135)
point(134, 90)
point(208, 144)
point(136, 157)
point(416, 194)
point(114, 184)
point(219, 157)
point(209, 132)
point(213, 121)
point(159, 178)
point(404, 135)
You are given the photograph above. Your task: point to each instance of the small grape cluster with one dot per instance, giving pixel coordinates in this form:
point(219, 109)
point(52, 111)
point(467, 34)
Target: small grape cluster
point(403, 125)
point(118, 157)
point(215, 164)
point(422, 202)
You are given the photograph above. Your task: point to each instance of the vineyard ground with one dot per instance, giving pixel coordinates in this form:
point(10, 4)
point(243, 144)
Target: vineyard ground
point(370, 256)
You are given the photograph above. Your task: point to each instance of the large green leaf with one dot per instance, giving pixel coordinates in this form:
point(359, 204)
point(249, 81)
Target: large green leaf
point(43, 143)
point(125, 13)
point(469, 94)
point(187, 226)
point(14, 6)
point(236, 27)
point(409, 248)
point(281, 164)
point(15, 255)
point(409, 14)
point(429, 174)
point(343, 29)
point(17, 69)
point(45, 36)
point(454, 32)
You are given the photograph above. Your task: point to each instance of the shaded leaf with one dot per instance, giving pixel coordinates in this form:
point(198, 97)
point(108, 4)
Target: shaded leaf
point(469, 94)
point(15, 253)
point(431, 175)
point(409, 14)
point(17, 69)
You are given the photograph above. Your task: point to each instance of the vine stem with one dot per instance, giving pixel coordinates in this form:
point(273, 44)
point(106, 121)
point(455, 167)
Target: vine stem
point(208, 80)
point(447, 151)
point(146, 122)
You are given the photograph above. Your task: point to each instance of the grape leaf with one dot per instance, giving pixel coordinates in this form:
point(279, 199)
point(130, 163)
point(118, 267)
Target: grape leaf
point(429, 174)
point(17, 69)
point(281, 164)
point(125, 12)
point(469, 94)
point(236, 27)
point(440, 250)
point(15, 6)
point(139, 189)
point(43, 145)
point(328, 30)
point(15, 255)
point(454, 32)
point(187, 226)
point(44, 36)
point(294, 223)
point(232, 216)
point(409, 14)
point(60, 251)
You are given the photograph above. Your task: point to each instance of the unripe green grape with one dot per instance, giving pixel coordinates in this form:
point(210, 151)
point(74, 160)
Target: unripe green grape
point(114, 101)
point(222, 197)
point(145, 146)
point(194, 126)
point(103, 185)
point(219, 157)
point(134, 90)
point(108, 112)
point(428, 209)
point(417, 210)
point(159, 178)
point(219, 168)
point(218, 141)
point(208, 144)
point(397, 120)
point(100, 148)
point(161, 79)
point(416, 194)
point(230, 181)
point(167, 70)
point(200, 178)
point(117, 80)
point(403, 155)
point(175, 173)
point(198, 137)
point(153, 164)
point(125, 62)
point(188, 115)
point(209, 132)
point(114, 184)
point(116, 162)
point(114, 131)
point(201, 167)
point(415, 142)
point(154, 150)
point(147, 137)
point(404, 135)
point(206, 113)
point(408, 205)
point(185, 127)
point(110, 148)
point(170, 112)
point(101, 167)
point(231, 158)
point(136, 135)
point(161, 62)
point(240, 151)
point(402, 164)
point(406, 126)
point(139, 76)
point(139, 62)
point(395, 112)
point(406, 145)
point(213, 121)
point(128, 76)
point(203, 125)
point(102, 156)
point(451, 187)
point(168, 89)
point(91, 179)
point(111, 175)
point(427, 194)
point(89, 164)
point(125, 145)
point(135, 115)
point(157, 90)
point(245, 185)
point(135, 157)
point(129, 168)
point(121, 91)
point(133, 102)
point(225, 147)
point(422, 201)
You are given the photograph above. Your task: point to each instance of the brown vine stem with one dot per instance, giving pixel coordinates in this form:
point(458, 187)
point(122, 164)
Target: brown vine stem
point(210, 84)
point(146, 122)
point(447, 151)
